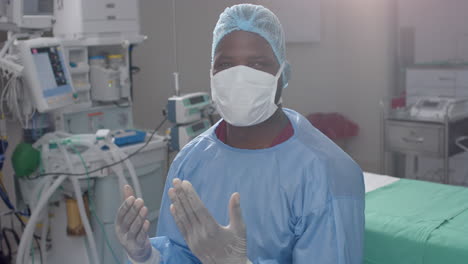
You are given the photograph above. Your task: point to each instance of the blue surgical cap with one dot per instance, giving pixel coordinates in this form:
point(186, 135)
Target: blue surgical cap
point(256, 19)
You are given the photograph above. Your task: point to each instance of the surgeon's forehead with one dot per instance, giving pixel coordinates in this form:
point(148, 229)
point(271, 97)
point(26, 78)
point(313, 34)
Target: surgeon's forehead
point(243, 44)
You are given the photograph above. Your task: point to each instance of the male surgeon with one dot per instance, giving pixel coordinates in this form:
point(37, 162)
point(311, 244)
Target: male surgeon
point(262, 185)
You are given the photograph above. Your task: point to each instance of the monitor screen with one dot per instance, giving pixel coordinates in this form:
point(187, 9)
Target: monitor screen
point(196, 100)
point(431, 104)
point(198, 127)
point(38, 7)
point(51, 72)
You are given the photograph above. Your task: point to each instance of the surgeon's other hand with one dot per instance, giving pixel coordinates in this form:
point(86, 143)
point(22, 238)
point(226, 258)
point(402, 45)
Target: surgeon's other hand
point(209, 241)
point(132, 227)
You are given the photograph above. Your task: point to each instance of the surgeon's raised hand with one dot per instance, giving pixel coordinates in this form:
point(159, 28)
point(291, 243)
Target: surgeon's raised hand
point(209, 241)
point(131, 226)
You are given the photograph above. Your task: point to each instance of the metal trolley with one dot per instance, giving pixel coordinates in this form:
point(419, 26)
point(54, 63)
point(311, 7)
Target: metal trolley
point(436, 130)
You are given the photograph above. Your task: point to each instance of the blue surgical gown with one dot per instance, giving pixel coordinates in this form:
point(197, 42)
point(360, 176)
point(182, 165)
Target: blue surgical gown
point(302, 200)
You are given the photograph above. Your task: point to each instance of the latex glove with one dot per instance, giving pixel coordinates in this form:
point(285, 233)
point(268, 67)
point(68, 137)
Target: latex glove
point(131, 227)
point(209, 241)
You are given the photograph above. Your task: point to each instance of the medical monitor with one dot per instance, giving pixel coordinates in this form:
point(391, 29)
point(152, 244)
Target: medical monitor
point(46, 73)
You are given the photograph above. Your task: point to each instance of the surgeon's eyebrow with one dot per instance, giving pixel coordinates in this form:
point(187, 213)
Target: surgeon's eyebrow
point(260, 57)
point(224, 57)
point(252, 57)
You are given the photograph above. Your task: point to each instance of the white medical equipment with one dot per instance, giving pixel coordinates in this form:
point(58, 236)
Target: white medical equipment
point(26, 14)
point(101, 99)
point(437, 108)
point(89, 120)
point(183, 134)
point(187, 108)
point(46, 73)
point(144, 170)
point(84, 29)
point(95, 19)
point(187, 113)
point(436, 82)
point(110, 80)
point(101, 77)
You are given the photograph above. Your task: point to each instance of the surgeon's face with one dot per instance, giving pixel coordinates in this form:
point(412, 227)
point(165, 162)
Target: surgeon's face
point(248, 49)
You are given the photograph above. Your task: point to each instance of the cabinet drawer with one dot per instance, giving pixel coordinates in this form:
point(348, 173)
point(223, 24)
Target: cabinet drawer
point(414, 137)
point(431, 78)
point(462, 78)
point(116, 9)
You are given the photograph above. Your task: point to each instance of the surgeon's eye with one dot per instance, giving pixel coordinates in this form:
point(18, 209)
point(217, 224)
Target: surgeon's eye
point(257, 65)
point(223, 65)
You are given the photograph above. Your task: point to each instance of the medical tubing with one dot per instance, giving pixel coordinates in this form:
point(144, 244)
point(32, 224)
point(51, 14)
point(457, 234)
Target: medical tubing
point(7, 45)
point(7, 242)
point(36, 192)
point(45, 141)
point(459, 143)
point(81, 207)
point(176, 83)
point(6, 199)
point(133, 175)
point(62, 134)
point(45, 151)
point(119, 172)
point(92, 206)
point(131, 169)
point(43, 184)
point(45, 227)
point(85, 220)
point(29, 230)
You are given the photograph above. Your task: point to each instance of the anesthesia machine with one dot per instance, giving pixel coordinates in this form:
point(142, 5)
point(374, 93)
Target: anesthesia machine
point(71, 93)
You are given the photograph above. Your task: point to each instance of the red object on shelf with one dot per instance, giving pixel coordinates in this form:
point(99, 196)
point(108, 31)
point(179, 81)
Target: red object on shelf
point(398, 102)
point(334, 125)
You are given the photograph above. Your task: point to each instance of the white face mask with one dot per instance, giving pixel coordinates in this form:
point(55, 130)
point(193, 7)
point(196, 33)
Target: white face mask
point(244, 96)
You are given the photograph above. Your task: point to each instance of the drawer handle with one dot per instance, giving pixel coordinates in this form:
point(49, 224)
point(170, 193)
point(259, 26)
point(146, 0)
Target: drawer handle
point(418, 140)
point(445, 79)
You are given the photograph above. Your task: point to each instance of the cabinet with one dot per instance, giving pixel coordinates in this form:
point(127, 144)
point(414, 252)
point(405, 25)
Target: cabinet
point(461, 83)
point(93, 18)
point(413, 136)
point(114, 10)
point(449, 82)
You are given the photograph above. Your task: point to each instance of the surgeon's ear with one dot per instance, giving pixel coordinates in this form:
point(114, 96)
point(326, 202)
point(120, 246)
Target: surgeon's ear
point(279, 90)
